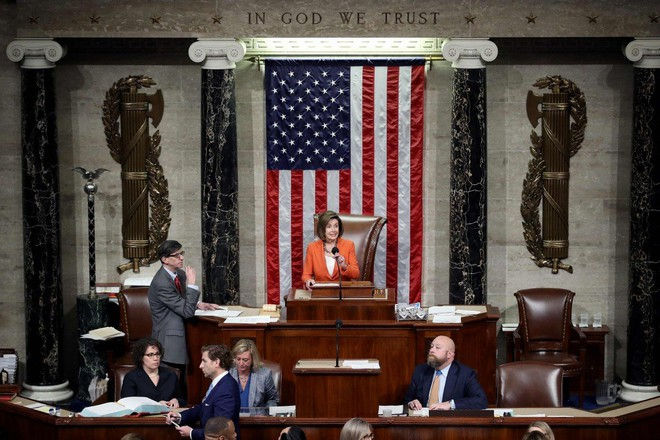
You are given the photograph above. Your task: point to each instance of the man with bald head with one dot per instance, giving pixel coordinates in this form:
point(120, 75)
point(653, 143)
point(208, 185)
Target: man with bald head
point(443, 383)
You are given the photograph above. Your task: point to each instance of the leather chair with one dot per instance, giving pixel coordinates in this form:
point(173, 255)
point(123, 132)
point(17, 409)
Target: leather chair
point(277, 375)
point(134, 314)
point(528, 384)
point(363, 230)
point(545, 330)
point(119, 373)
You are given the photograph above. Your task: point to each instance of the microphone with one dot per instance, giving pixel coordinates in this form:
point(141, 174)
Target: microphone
point(335, 253)
point(338, 325)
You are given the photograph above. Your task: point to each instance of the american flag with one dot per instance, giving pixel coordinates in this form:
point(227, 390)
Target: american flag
point(347, 136)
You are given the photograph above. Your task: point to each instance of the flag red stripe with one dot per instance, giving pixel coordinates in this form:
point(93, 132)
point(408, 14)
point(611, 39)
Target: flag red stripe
point(345, 190)
point(416, 181)
point(392, 208)
point(272, 237)
point(368, 140)
point(321, 196)
point(296, 228)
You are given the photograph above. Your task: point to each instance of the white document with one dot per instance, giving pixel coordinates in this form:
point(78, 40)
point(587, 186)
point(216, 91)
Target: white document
point(394, 410)
point(221, 313)
point(361, 364)
point(285, 411)
point(424, 412)
point(499, 412)
point(442, 309)
point(138, 281)
point(259, 319)
point(446, 319)
point(467, 312)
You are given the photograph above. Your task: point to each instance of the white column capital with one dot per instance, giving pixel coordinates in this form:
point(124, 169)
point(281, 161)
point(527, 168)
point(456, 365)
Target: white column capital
point(469, 53)
point(217, 53)
point(644, 52)
point(35, 53)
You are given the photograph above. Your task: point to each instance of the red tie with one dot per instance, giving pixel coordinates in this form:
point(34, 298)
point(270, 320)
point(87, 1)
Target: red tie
point(177, 284)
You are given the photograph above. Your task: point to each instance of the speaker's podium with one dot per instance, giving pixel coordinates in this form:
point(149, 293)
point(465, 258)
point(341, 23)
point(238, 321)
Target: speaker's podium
point(352, 300)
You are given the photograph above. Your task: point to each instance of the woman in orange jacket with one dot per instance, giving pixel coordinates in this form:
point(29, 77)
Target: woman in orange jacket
point(321, 263)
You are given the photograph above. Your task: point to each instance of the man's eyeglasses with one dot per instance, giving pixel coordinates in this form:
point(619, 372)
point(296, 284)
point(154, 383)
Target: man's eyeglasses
point(177, 254)
point(152, 355)
point(369, 436)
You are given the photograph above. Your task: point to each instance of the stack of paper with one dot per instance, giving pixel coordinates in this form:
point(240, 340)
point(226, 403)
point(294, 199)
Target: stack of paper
point(103, 334)
point(220, 313)
point(8, 363)
point(361, 364)
point(250, 320)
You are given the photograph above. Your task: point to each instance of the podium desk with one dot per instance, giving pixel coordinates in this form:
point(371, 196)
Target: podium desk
point(322, 388)
point(324, 304)
point(638, 421)
point(399, 347)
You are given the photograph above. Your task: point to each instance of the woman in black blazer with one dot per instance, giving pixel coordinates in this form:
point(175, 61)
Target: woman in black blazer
point(149, 378)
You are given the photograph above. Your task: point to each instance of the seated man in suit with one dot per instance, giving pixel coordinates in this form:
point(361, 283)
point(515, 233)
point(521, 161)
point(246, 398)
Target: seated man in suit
point(443, 383)
point(219, 428)
point(222, 398)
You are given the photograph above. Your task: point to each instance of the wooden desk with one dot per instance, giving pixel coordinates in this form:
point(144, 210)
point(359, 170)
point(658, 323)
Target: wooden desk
point(638, 421)
point(399, 346)
point(353, 391)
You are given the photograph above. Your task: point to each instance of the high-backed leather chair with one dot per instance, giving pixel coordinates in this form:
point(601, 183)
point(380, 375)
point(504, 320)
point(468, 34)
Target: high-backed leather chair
point(545, 330)
point(363, 230)
point(134, 314)
point(277, 375)
point(528, 384)
point(119, 373)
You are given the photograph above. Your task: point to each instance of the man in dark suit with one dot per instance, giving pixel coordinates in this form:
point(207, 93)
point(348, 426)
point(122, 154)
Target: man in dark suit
point(222, 398)
point(443, 383)
point(173, 297)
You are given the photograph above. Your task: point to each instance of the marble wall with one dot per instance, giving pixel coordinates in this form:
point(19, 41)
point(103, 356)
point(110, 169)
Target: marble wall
point(599, 191)
point(598, 198)
point(12, 299)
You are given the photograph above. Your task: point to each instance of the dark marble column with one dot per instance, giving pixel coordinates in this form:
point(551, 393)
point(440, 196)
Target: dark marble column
point(92, 314)
point(467, 199)
point(219, 174)
point(643, 349)
point(41, 214)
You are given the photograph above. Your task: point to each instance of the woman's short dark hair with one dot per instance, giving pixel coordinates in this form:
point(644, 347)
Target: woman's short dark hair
point(140, 348)
point(323, 221)
point(221, 353)
point(295, 433)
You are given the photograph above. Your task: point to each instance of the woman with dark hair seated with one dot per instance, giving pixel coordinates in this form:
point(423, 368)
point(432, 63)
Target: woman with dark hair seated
point(330, 255)
point(292, 433)
point(149, 378)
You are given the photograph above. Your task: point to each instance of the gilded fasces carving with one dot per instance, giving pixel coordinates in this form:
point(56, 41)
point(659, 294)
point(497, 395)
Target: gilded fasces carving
point(548, 170)
point(141, 174)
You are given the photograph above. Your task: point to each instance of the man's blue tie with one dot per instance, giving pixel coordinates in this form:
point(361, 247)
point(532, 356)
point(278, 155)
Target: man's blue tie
point(208, 392)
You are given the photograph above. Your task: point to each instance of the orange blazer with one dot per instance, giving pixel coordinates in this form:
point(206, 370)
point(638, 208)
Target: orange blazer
point(316, 269)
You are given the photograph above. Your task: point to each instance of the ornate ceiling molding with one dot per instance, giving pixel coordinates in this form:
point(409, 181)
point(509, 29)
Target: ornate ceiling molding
point(35, 53)
point(644, 52)
point(469, 53)
point(217, 53)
